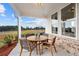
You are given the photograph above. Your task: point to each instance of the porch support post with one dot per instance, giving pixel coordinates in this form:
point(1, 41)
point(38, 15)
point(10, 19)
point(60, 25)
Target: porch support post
point(77, 22)
point(48, 27)
point(59, 23)
point(19, 27)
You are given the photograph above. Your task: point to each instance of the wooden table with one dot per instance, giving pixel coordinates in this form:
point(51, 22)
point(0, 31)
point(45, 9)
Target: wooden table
point(38, 40)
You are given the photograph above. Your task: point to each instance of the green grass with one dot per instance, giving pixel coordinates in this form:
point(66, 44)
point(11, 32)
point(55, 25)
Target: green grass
point(24, 32)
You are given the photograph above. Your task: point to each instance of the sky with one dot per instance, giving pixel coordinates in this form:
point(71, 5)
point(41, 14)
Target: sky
point(33, 22)
point(7, 15)
point(7, 18)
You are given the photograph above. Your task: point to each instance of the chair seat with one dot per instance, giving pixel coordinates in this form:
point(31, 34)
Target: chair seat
point(48, 42)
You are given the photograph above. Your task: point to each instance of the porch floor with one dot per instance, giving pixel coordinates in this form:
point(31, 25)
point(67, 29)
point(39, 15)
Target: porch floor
point(61, 51)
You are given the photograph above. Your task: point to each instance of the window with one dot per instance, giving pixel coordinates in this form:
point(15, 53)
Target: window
point(68, 20)
point(54, 23)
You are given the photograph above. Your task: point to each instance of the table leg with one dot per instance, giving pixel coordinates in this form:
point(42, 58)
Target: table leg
point(39, 49)
point(36, 48)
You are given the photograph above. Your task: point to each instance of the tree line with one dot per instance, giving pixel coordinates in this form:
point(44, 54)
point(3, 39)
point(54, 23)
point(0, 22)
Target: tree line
point(8, 28)
point(36, 28)
point(15, 28)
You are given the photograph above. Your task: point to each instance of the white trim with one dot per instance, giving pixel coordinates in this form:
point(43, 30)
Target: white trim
point(59, 23)
point(19, 27)
point(76, 20)
point(63, 36)
point(48, 28)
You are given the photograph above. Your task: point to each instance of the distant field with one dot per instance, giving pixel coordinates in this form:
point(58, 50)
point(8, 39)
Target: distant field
point(31, 31)
point(14, 33)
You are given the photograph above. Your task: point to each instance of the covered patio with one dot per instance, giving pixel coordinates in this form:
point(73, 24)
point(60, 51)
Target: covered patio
point(67, 44)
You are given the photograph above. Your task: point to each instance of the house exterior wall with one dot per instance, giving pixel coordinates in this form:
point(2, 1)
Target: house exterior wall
point(49, 29)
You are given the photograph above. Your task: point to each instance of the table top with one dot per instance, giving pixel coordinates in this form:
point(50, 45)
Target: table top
point(33, 38)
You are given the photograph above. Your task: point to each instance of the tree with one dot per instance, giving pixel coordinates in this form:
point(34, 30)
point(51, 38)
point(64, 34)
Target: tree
point(8, 28)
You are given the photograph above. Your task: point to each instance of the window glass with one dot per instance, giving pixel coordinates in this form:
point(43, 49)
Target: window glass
point(68, 20)
point(54, 23)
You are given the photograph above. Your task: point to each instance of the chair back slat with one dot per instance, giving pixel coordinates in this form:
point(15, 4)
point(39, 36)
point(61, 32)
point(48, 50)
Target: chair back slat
point(54, 39)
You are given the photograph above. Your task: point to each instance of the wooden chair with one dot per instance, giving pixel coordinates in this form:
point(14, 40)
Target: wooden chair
point(32, 45)
point(24, 45)
point(27, 45)
point(48, 44)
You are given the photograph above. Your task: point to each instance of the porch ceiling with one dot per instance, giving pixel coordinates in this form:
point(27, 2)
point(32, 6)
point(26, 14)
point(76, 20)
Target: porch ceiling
point(41, 10)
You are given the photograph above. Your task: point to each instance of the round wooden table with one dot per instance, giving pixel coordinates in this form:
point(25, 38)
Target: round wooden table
point(33, 38)
point(38, 40)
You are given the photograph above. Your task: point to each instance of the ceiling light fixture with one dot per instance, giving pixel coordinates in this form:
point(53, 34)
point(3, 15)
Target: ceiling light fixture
point(39, 5)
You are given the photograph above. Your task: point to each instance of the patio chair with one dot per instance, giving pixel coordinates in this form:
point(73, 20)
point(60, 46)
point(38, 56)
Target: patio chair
point(27, 45)
point(45, 34)
point(24, 45)
point(32, 45)
point(49, 44)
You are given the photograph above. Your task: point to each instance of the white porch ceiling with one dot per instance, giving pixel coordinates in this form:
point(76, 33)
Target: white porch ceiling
point(42, 10)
